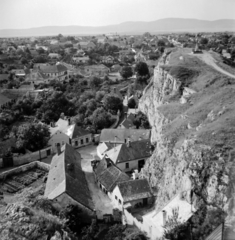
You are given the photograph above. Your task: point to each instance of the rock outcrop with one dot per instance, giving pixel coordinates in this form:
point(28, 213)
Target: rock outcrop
point(192, 113)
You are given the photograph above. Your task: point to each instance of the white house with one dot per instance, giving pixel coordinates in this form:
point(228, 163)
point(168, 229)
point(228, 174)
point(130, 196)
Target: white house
point(132, 193)
point(130, 156)
point(64, 132)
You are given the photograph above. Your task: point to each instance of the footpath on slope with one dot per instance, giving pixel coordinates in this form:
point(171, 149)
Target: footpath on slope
point(209, 60)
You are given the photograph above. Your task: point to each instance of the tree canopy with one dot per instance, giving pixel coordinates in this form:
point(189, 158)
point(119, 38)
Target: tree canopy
point(33, 136)
point(126, 72)
point(112, 102)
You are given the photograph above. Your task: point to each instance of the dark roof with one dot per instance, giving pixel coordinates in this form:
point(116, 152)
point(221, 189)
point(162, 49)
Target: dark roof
point(128, 122)
point(4, 76)
point(53, 68)
point(134, 189)
point(108, 135)
point(66, 175)
point(109, 175)
point(79, 132)
point(135, 150)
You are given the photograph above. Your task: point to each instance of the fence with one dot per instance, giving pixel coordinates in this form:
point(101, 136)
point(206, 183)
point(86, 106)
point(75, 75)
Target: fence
point(24, 168)
point(31, 157)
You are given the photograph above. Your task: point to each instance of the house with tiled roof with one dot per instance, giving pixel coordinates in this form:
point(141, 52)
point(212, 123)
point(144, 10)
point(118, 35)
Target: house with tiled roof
point(130, 156)
point(57, 71)
point(63, 132)
point(108, 175)
point(224, 231)
point(97, 70)
point(128, 122)
point(87, 45)
point(66, 183)
point(122, 135)
point(132, 193)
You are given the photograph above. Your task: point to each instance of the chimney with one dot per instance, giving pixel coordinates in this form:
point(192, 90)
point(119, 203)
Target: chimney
point(128, 142)
point(58, 149)
point(69, 121)
point(164, 216)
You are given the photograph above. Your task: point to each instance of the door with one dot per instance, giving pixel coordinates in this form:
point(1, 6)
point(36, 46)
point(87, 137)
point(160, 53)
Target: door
point(141, 164)
point(145, 201)
point(48, 152)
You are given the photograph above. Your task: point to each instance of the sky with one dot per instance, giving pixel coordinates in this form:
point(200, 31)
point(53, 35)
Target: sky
point(18, 14)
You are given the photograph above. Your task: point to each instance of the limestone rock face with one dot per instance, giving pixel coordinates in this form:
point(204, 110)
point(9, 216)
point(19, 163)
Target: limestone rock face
point(190, 150)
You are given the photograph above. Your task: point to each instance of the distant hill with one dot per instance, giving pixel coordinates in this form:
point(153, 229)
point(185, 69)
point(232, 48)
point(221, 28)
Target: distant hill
point(162, 25)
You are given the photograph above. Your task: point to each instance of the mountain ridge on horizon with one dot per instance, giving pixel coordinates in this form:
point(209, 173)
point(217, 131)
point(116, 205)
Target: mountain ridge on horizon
point(160, 25)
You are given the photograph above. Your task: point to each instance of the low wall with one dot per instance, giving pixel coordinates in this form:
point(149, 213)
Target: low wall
point(24, 168)
point(30, 157)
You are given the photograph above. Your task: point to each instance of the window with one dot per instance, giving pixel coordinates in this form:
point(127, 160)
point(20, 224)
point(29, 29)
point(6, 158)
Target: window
point(87, 140)
point(120, 202)
point(116, 197)
point(127, 165)
point(81, 141)
point(76, 143)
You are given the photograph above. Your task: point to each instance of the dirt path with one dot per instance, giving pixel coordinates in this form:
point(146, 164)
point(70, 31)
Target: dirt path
point(209, 60)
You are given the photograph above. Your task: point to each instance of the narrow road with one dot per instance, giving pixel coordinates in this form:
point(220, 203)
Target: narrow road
point(209, 60)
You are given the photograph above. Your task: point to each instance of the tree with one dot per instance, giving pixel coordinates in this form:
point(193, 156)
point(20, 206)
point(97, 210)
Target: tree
point(132, 103)
point(32, 136)
point(112, 102)
point(72, 214)
point(204, 41)
point(88, 233)
point(95, 83)
point(142, 73)
point(99, 95)
point(161, 43)
point(126, 72)
point(101, 119)
point(115, 232)
point(141, 120)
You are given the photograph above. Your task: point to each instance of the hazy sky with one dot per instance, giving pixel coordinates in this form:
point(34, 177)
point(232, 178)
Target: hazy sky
point(36, 13)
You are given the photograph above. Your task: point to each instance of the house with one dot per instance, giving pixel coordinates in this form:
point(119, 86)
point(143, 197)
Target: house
point(57, 71)
point(107, 59)
point(122, 135)
point(97, 70)
point(130, 156)
point(18, 72)
point(132, 193)
point(103, 147)
point(128, 122)
point(140, 57)
point(64, 132)
point(66, 183)
point(153, 221)
point(45, 48)
point(54, 55)
point(108, 175)
point(36, 76)
point(87, 45)
point(78, 59)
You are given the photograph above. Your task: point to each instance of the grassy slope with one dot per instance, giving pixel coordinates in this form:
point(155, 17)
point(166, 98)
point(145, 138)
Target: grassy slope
point(215, 95)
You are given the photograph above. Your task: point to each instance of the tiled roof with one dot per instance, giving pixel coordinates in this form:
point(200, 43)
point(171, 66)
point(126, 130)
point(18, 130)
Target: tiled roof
point(78, 132)
point(216, 234)
point(110, 175)
point(134, 189)
point(135, 150)
point(128, 122)
point(53, 68)
point(103, 147)
point(66, 175)
point(108, 135)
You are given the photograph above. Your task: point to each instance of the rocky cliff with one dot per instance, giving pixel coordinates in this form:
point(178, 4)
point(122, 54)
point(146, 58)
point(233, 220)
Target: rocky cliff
point(191, 109)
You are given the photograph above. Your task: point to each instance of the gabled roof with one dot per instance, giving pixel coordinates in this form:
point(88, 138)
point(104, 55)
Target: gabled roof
point(103, 147)
point(78, 132)
point(135, 150)
point(134, 189)
point(66, 176)
point(128, 122)
point(108, 174)
point(108, 135)
point(53, 69)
